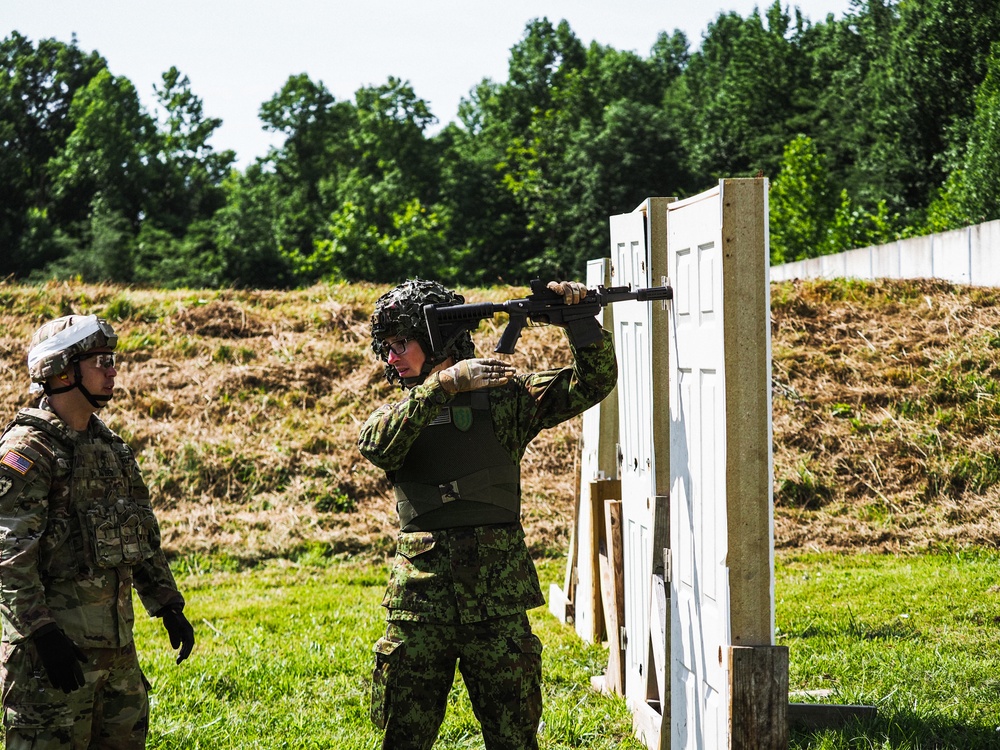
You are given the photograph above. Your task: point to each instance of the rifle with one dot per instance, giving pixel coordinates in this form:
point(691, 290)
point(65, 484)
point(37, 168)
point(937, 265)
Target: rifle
point(543, 305)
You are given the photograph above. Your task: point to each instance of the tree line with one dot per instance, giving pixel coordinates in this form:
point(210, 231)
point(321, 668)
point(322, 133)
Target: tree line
point(879, 125)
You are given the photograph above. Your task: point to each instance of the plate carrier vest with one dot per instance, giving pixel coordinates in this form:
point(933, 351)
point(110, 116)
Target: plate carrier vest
point(457, 473)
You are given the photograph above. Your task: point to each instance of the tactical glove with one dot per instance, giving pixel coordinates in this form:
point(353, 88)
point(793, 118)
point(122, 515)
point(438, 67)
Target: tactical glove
point(470, 374)
point(179, 629)
point(571, 291)
point(60, 657)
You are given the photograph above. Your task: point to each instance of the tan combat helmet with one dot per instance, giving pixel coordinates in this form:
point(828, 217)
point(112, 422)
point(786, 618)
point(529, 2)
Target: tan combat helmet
point(61, 343)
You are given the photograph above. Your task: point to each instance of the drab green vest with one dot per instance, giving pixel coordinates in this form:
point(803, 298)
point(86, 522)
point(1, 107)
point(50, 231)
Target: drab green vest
point(457, 473)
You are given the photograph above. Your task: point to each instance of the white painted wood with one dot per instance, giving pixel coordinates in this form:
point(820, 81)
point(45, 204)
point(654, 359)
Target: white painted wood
point(698, 529)
point(636, 470)
point(598, 461)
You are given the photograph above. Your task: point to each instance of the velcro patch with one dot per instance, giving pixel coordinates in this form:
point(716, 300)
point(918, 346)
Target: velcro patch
point(17, 462)
point(443, 417)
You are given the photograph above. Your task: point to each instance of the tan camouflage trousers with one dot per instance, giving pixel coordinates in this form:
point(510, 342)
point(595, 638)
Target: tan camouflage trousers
point(500, 662)
point(110, 712)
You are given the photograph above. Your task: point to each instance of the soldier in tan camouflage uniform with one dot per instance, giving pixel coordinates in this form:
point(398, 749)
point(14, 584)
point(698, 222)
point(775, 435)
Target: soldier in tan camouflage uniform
point(77, 533)
point(463, 580)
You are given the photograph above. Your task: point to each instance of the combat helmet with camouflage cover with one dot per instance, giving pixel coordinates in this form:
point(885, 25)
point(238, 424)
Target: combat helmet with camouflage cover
point(62, 343)
point(399, 312)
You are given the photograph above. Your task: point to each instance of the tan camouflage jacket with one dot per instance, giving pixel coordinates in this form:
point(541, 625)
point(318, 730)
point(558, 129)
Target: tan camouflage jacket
point(77, 533)
point(475, 573)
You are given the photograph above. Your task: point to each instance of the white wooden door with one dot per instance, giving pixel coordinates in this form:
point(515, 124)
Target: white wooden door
point(598, 461)
point(636, 471)
point(699, 584)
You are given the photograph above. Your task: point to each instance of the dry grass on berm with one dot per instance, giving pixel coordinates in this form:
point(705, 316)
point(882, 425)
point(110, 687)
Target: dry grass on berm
point(244, 409)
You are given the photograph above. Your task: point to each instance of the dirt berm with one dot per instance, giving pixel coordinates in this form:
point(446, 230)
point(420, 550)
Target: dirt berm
point(244, 408)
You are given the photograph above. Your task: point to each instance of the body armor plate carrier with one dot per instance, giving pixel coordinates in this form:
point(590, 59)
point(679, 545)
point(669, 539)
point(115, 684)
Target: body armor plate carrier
point(457, 473)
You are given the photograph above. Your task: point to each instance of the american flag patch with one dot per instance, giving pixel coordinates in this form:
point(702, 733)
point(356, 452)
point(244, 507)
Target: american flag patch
point(17, 462)
point(443, 417)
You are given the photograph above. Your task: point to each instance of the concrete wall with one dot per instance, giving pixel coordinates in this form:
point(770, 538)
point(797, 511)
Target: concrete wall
point(963, 256)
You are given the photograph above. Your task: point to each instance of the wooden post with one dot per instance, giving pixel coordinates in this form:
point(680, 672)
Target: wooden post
point(758, 688)
point(612, 565)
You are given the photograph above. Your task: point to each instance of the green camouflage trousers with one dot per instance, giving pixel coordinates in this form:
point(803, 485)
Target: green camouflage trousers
point(110, 712)
point(501, 664)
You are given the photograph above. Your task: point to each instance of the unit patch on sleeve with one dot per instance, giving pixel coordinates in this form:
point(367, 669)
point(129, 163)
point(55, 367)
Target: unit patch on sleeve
point(17, 462)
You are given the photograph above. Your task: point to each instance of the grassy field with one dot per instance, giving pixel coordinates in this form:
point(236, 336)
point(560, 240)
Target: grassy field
point(915, 637)
point(283, 660)
point(284, 654)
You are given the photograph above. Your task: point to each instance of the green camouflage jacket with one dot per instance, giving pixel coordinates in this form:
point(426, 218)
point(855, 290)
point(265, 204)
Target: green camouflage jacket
point(480, 572)
point(77, 533)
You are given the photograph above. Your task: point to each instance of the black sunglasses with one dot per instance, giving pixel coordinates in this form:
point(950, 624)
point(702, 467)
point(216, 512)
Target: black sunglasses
point(397, 347)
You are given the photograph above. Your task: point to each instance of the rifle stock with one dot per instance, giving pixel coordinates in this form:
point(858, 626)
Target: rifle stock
point(445, 322)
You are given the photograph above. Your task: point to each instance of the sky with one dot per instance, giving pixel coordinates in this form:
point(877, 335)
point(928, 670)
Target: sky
point(239, 53)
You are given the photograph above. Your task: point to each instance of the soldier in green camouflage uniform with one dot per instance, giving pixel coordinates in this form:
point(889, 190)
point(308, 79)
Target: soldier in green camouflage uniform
point(463, 580)
point(77, 533)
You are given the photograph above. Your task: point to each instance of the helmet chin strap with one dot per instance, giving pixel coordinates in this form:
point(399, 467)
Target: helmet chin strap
point(98, 402)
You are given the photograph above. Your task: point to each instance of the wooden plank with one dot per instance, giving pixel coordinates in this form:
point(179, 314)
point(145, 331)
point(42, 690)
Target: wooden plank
point(758, 688)
point(594, 617)
point(559, 605)
point(612, 566)
point(746, 311)
point(561, 601)
point(601, 491)
point(569, 582)
point(659, 634)
point(647, 723)
point(827, 716)
point(659, 610)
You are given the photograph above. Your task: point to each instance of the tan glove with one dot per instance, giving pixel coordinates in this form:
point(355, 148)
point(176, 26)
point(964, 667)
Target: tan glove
point(571, 291)
point(470, 374)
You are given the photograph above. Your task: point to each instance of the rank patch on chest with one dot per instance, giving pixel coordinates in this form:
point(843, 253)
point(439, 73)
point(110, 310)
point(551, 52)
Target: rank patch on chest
point(17, 462)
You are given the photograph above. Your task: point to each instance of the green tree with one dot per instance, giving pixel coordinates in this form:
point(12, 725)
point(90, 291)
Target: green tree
point(275, 210)
point(971, 193)
point(37, 86)
point(250, 227)
point(744, 94)
point(919, 96)
point(103, 177)
point(384, 223)
point(190, 186)
point(852, 227)
point(799, 203)
point(573, 135)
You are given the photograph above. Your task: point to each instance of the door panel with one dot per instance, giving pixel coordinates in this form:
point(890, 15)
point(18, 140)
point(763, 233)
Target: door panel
point(632, 342)
point(699, 589)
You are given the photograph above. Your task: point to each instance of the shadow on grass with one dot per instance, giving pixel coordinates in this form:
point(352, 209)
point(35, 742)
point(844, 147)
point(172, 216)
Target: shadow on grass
point(899, 731)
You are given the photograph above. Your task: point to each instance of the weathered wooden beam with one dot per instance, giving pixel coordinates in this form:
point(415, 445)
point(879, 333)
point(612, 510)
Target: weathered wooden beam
point(758, 688)
point(612, 563)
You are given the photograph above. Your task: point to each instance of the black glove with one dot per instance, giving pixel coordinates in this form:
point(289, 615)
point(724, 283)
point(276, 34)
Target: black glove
point(179, 629)
point(60, 657)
